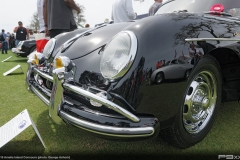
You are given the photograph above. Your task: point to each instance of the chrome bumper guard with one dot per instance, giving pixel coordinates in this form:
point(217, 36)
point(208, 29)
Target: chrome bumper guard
point(56, 100)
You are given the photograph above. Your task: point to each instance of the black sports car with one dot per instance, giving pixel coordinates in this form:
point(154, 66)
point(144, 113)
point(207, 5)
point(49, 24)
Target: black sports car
point(97, 81)
point(24, 48)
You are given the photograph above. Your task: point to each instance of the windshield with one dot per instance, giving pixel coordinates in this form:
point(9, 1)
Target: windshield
point(230, 6)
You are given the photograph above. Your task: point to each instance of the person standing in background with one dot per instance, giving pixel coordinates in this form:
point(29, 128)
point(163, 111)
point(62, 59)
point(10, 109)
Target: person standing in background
point(195, 54)
point(153, 9)
point(8, 34)
point(21, 33)
point(5, 42)
point(8, 39)
point(58, 16)
point(31, 35)
point(40, 15)
point(12, 41)
point(122, 11)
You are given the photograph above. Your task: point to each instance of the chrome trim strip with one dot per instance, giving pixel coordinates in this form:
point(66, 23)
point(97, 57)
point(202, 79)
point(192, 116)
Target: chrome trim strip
point(65, 44)
point(45, 91)
point(107, 130)
point(16, 51)
point(92, 111)
point(132, 54)
point(50, 78)
point(45, 100)
point(210, 39)
point(102, 101)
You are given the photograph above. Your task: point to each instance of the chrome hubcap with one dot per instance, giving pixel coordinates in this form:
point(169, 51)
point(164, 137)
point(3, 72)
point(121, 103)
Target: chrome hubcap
point(159, 78)
point(200, 102)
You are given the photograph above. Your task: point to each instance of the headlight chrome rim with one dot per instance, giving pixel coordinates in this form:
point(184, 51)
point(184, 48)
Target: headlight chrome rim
point(47, 53)
point(131, 56)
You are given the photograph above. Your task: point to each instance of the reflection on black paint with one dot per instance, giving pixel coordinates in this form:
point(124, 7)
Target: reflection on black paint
point(204, 24)
point(93, 79)
point(174, 71)
point(130, 87)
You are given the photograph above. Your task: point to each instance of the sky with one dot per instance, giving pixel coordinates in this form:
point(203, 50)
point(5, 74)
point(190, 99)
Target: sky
point(96, 11)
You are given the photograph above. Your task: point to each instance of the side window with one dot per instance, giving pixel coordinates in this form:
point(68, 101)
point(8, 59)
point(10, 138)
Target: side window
point(174, 62)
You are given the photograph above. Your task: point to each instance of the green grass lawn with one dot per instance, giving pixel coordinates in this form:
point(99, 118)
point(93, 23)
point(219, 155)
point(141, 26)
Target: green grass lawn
point(65, 140)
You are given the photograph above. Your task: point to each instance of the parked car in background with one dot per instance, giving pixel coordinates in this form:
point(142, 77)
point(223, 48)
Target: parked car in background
point(173, 70)
point(96, 80)
point(24, 48)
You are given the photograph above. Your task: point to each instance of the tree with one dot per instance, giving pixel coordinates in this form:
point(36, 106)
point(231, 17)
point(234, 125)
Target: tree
point(203, 25)
point(34, 23)
point(80, 20)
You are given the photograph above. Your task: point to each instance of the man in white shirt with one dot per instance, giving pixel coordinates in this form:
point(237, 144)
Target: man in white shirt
point(122, 11)
point(40, 15)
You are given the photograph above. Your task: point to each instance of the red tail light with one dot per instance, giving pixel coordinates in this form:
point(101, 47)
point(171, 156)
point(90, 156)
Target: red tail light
point(217, 8)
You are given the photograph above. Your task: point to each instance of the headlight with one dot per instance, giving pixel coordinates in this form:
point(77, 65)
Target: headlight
point(48, 49)
point(118, 55)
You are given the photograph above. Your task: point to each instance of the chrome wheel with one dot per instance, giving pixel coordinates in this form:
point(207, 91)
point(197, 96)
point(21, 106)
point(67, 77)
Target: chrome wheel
point(200, 102)
point(159, 78)
point(200, 105)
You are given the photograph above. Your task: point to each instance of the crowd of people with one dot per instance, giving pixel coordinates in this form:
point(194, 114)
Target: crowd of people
point(58, 21)
point(7, 41)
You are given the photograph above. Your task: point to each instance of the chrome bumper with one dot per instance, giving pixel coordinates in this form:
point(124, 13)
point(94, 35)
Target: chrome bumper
point(56, 100)
point(123, 132)
point(16, 52)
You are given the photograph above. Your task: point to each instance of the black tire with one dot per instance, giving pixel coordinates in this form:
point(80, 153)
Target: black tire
point(159, 77)
point(205, 82)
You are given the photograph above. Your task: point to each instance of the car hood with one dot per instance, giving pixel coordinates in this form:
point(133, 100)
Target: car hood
point(63, 37)
point(93, 40)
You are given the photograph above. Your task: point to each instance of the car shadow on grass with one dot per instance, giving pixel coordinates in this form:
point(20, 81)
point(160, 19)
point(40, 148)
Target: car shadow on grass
point(17, 60)
point(23, 147)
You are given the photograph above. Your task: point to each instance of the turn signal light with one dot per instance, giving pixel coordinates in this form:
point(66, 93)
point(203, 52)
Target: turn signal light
point(59, 63)
point(36, 61)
